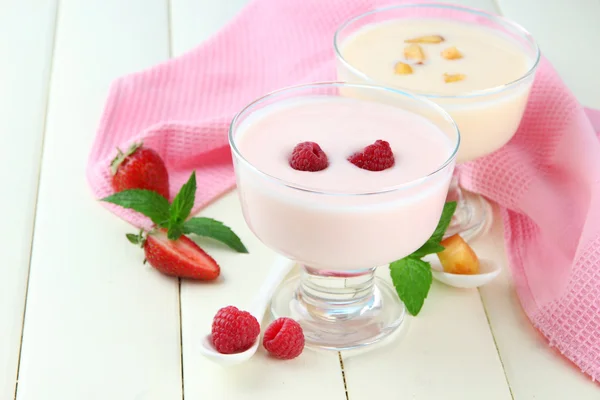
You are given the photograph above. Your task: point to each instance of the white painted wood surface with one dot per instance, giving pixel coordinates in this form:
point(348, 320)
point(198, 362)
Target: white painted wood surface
point(24, 77)
point(100, 325)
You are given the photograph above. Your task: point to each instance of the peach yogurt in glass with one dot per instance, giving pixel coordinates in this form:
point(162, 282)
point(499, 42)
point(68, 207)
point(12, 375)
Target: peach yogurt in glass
point(342, 179)
point(478, 66)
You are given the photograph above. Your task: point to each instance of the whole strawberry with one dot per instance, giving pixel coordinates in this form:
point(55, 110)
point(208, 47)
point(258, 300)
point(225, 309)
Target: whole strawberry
point(140, 168)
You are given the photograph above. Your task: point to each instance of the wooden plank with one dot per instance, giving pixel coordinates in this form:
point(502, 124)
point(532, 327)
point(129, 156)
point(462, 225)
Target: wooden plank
point(261, 377)
point(533, 369)
point(27, 33)
point(563, 30)
point(99, 324)
point(446, 352)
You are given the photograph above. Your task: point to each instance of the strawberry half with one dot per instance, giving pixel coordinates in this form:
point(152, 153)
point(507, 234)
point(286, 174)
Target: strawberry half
point(140, 168)
point(181, 257)
point(166, 246)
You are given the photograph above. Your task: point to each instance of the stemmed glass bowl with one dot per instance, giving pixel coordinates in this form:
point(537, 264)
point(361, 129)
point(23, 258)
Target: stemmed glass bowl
point(487, 118)
point(339, 238)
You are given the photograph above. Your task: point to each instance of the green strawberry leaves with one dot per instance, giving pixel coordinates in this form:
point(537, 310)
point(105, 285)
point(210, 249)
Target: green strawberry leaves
point(174, 216)
point(412, 276)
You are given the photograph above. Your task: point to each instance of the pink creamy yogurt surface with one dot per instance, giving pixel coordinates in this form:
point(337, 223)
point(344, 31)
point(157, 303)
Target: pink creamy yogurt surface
point(337, 231)
point(342, 126)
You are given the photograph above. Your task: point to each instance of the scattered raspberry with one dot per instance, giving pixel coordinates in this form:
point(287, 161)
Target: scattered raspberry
point(375, 157)
point(308, 156)
point(233, 330)
point(284, 339)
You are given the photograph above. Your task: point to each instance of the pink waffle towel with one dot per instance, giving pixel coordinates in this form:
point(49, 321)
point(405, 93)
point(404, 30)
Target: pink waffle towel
point(546, 180)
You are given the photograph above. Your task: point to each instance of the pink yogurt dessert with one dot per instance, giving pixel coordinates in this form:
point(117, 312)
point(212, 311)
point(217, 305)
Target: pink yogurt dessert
point(342, 217)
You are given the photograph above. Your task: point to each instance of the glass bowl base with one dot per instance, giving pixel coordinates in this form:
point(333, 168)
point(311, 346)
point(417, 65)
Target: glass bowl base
point(342, 324)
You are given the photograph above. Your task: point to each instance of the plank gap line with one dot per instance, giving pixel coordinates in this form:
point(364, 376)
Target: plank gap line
point(496, 344)
point(343, 375)
point(37, 189)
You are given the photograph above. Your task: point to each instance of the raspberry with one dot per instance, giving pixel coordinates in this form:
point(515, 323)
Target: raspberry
point(375, 157)
point(308, 156)
point(284, 339)
point(234, 331)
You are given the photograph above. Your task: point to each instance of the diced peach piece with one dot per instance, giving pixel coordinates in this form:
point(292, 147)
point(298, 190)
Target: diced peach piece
point(414, 52)
point(403, 69)
point(451, 53)
point(458, 257)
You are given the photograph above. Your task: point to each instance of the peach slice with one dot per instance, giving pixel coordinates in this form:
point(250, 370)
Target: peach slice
point(429, 39)
point(450, 78)
point(458, 257)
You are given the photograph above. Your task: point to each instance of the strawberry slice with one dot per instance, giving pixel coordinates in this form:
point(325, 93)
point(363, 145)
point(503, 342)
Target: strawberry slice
point(181, 257)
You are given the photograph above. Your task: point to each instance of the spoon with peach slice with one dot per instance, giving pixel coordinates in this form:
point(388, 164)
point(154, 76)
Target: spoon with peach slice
point(458, 265)
point(279, 270)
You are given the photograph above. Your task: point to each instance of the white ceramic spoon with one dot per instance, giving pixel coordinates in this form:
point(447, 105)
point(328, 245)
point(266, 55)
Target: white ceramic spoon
point(281, 267)
point(488, 271)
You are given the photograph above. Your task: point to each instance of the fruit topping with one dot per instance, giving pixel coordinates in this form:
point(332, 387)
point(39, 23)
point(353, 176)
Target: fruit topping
point(458, 257)
point(284, 339)
point(450, 78)
point(414, 52)
point(140, 168)
point(427, 39)
point(375, 157)
point(402, 69)
point(451, 53)
point(234, 330)
point(308, 156)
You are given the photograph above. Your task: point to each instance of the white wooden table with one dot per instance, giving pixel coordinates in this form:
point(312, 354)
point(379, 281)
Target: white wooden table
point(81, 318)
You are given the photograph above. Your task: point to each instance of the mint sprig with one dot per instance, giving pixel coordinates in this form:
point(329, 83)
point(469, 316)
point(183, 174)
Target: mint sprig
point(411, 275)
point(181, 207)
point(214, 229)
point(147, 202)
point(412, 279)
point(174, 216)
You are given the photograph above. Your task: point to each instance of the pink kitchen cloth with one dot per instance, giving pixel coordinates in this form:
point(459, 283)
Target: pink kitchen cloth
point(546, 180)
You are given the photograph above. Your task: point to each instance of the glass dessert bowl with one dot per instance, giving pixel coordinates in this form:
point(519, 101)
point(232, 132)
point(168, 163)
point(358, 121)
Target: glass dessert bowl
point(478, 66)
point(342, 217)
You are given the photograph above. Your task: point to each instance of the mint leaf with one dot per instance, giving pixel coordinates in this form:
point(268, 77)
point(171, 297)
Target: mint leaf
point(445, 219)
point(214, 229)
point(181, 207)
point(147, 202)
point(428, 248)
point(174, 232)
point(412, 279)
